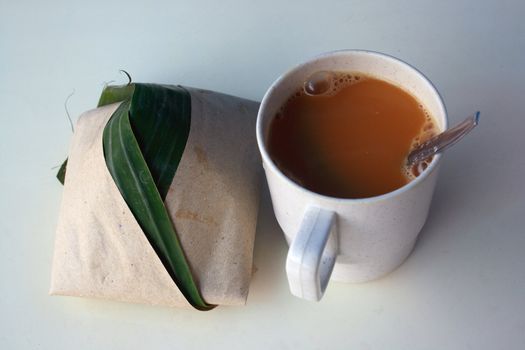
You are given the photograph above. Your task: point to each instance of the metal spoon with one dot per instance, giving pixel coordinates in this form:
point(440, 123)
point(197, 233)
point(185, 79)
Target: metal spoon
point(441, 142)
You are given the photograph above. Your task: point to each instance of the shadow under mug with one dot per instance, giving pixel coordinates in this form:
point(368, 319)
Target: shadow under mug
point(347, 240)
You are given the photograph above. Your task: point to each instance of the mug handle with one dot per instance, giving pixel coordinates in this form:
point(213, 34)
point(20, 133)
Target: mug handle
point(312, 254)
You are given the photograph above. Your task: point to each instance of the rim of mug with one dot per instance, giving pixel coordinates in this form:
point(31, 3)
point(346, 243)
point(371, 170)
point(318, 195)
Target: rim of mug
point(267, 160)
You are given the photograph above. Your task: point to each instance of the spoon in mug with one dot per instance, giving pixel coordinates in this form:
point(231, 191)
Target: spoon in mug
point(442, 141)
point(322, 82)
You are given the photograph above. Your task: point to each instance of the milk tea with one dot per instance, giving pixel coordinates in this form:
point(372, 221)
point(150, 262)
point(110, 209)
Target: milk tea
point(352, 142)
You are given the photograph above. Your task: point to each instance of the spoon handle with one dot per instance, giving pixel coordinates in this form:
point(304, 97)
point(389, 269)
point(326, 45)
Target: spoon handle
point(443, 141)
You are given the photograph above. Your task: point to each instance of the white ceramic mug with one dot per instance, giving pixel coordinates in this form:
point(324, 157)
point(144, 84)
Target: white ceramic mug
point(348, 240)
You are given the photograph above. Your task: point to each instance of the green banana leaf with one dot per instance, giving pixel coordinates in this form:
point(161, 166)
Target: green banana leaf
point(143, 144)
point(61, 174)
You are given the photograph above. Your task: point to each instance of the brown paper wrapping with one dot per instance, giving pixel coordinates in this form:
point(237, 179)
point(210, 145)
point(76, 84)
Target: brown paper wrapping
point(101, 251)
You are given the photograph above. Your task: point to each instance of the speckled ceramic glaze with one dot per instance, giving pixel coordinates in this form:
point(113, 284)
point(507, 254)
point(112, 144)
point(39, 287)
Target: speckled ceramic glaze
point(373, 235)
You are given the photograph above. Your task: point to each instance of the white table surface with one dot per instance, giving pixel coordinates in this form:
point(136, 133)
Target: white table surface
point(462, 288)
